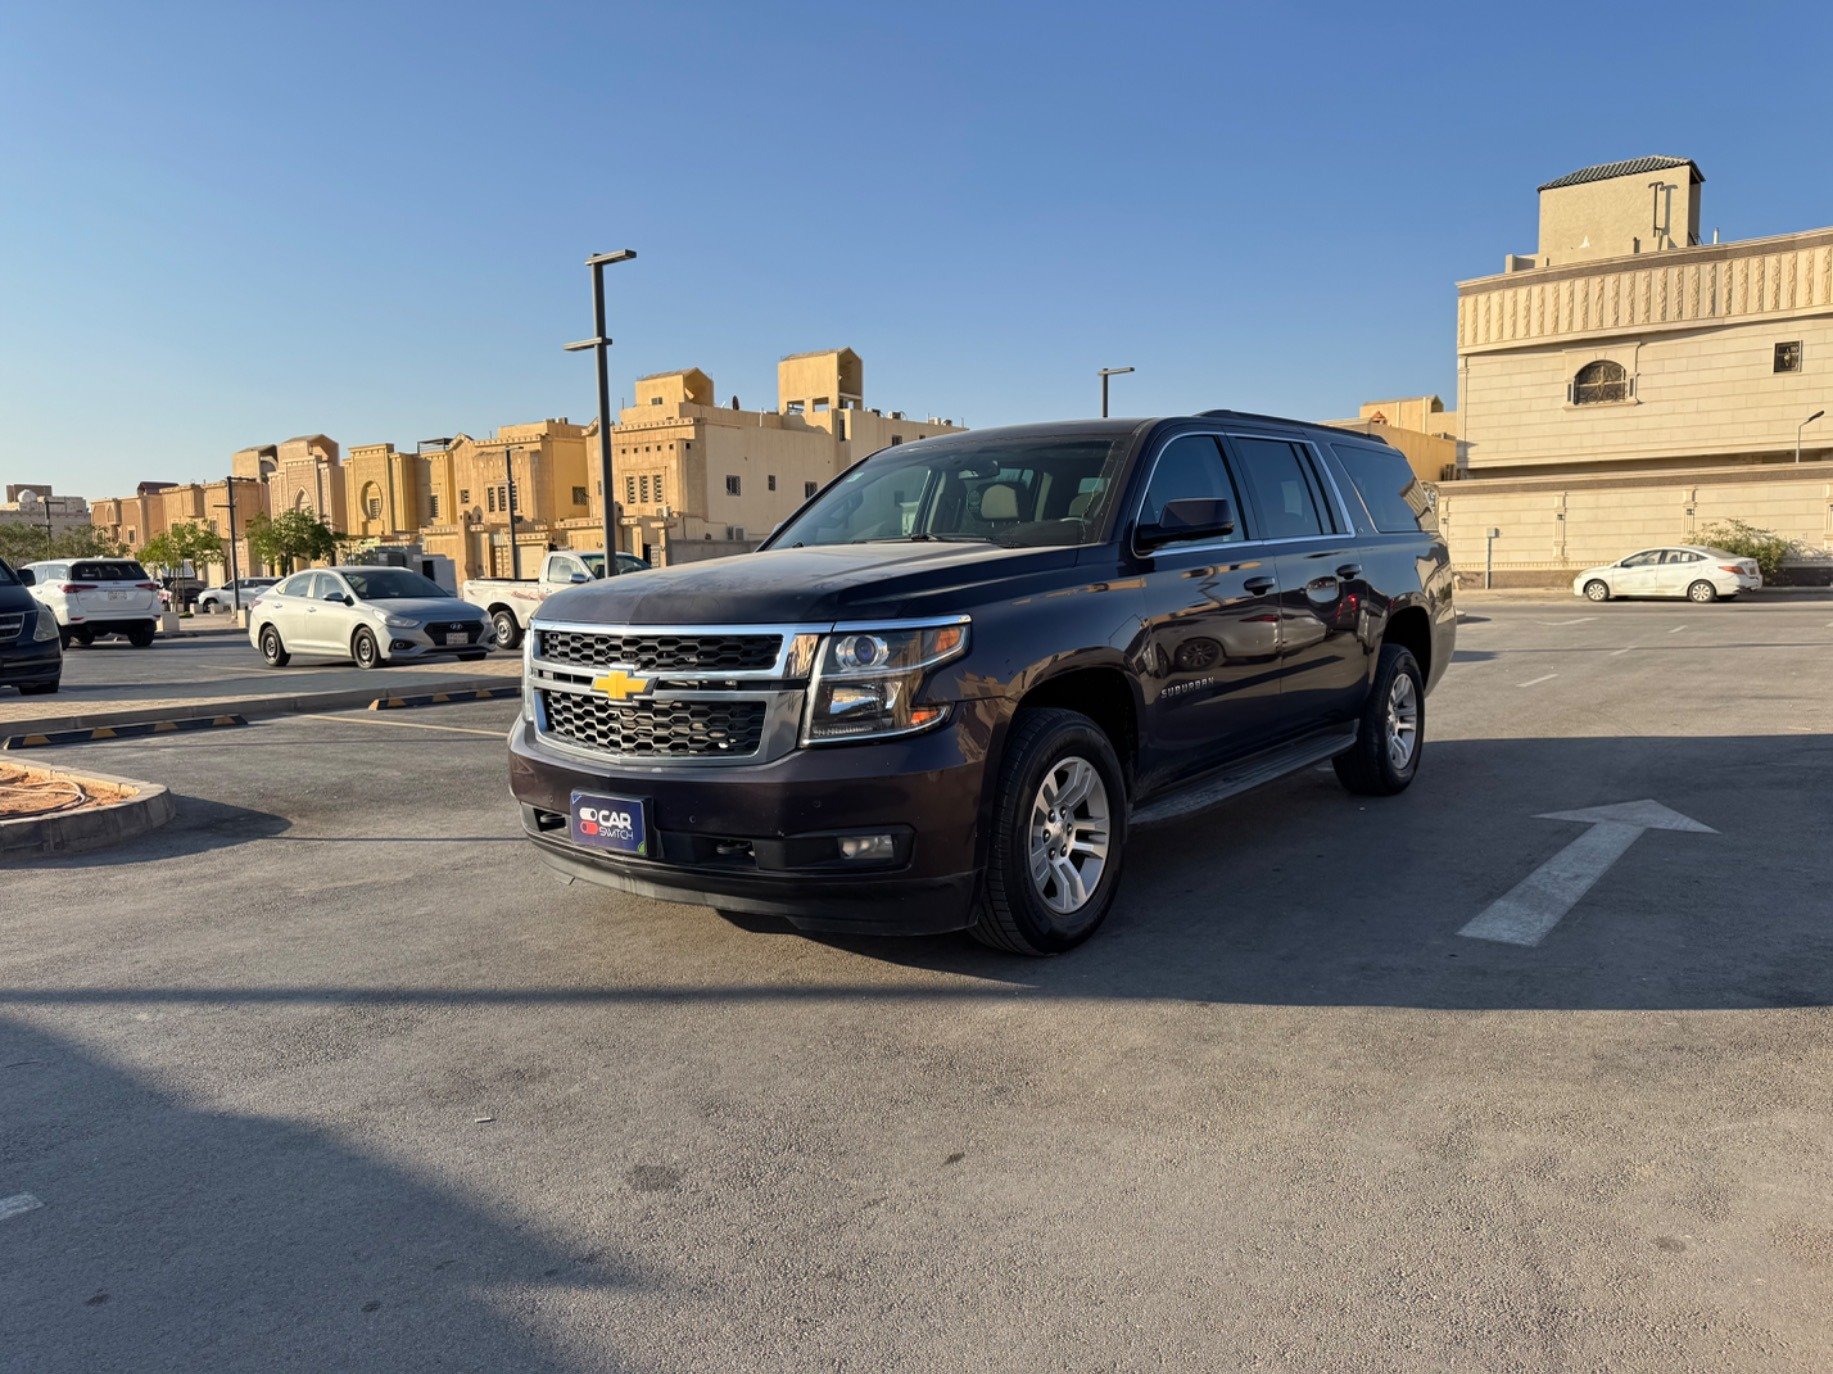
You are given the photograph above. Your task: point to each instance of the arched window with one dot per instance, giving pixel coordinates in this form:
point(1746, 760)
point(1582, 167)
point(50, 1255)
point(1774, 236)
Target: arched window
point(1600, 381)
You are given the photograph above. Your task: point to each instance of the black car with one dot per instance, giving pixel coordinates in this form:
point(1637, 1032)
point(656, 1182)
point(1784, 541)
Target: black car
point(31, 651)
point(945, 689)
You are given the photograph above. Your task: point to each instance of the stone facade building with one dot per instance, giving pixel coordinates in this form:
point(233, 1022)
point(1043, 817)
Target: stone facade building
point(1624, 342)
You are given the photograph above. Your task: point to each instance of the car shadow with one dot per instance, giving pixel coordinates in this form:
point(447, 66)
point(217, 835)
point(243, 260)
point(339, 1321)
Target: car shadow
point(172, 1236)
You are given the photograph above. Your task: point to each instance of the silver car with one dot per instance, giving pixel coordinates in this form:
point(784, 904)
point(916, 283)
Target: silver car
point(371, 615)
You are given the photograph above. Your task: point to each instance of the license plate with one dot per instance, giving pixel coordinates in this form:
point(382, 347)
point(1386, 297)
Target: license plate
point(615, 823)
point(117, 596)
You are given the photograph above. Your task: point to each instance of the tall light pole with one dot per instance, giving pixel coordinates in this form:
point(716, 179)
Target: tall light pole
point(598, 343)
point(1104, 374)
point(235, 572)
point(1803, 425)
point(509, 494)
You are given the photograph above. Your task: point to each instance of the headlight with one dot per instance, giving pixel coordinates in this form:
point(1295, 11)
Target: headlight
point(400, 622)
point(46, 627)
point(528, 688)
point(867, 679)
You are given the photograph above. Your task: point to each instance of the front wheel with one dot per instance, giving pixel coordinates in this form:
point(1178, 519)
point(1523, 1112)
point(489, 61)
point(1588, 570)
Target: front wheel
point(272, 650)
point(508, 632)
point(39, 689)
point(1392, 733)
point(1059, 833)
point(365, 650)
point(1597, 590)
point(1702, 592)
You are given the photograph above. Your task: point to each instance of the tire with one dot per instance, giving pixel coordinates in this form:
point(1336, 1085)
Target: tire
point(68, 637)
point(40, 689)
point(1597, 589)
point(1374, 766)
point(85, 637)
point(1016, 911)
point(365, 650)
point(273, 651)
point(141, 636)
point(508, 632)
point(1702, 593)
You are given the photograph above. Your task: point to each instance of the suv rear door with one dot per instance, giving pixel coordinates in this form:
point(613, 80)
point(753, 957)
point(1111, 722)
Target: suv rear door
point(1314, 547)
point(1207, 665)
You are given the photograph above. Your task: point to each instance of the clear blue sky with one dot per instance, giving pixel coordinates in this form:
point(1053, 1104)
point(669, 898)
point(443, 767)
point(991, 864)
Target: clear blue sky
point(224, 225)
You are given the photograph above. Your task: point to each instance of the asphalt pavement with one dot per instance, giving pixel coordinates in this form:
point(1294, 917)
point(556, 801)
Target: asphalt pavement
point(331, 1073)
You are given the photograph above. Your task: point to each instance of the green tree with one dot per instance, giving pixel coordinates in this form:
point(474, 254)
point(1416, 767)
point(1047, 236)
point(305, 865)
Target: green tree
point(23, 543)
point(292, 535)
point(1747, 541)
point(185, 542)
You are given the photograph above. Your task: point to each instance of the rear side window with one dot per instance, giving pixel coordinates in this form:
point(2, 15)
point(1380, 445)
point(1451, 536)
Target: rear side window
point(109, 572)
point(1395, 500)
point(1284, 488)
point(299, 585)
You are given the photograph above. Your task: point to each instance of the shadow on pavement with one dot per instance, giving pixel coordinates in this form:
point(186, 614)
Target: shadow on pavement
point(175, 1238)
point(199, 827)
point(1302, 895)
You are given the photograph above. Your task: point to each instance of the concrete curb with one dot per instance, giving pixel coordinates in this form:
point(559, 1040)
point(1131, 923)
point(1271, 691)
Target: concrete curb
point(47, 837)
point(248, 707)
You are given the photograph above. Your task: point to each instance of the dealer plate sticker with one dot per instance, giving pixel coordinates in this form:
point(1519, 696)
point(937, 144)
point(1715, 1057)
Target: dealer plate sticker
point(609, 823)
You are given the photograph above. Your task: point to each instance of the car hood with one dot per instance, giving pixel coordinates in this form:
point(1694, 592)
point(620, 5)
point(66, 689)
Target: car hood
point(428, 608)
point(814, 586)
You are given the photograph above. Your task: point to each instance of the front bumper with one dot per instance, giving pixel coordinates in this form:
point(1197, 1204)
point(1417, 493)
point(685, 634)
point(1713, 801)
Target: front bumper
point(400, 645)
point(28, 662)
point(757, 839)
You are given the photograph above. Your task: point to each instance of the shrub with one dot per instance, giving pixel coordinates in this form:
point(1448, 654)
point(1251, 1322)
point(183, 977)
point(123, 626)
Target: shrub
point(1747, 541)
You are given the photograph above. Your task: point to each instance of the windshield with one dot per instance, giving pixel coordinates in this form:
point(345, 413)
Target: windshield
point(390, 584)
point(1016, 492)
point(626, 562)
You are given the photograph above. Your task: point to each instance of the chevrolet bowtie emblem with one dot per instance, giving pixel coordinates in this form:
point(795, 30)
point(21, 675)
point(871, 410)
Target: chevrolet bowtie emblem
point(619, 685)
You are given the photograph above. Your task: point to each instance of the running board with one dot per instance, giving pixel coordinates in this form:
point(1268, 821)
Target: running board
point(1244, 776)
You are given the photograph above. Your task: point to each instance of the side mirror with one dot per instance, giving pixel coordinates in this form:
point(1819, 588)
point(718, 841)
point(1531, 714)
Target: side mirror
point(28, 578)
point(339, 598)
point(577, 578)
point(1196, 517)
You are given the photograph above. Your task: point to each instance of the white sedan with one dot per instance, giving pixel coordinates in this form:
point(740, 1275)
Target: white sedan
point(1697, 573)
point(372, 615)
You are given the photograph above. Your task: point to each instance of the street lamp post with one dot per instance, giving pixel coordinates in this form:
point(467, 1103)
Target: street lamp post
point(598, 343)
point(1803, 425)
point(235, 571)
point(509, 493)
point(1104, 374)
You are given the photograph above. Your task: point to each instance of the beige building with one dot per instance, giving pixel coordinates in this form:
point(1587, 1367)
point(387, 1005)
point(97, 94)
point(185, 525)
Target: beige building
point(1625, 343)
point(698, 479)
point(36, 505)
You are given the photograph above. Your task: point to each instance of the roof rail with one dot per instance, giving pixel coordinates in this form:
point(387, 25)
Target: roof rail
point(1285, 420)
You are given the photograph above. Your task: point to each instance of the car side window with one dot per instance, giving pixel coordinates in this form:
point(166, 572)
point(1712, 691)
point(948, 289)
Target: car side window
point(1191, 467)
point(1284, 492)
point(1396, 502)
point(1643, 560)
point(325, 586)
point(1680, 556)
point(300, 585)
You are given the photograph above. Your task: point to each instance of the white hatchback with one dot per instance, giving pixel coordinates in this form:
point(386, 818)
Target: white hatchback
point(1696, 572)
point(92, 597)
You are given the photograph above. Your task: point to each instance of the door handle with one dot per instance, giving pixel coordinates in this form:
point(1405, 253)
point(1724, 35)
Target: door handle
point(1260, 584)
point(1349, 570)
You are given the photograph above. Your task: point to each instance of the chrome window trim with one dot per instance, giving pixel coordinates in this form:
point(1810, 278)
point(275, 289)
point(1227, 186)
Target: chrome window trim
point(1215, 544)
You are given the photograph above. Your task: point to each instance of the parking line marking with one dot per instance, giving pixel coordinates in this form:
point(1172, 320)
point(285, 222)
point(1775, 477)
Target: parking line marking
point(1535, 682)
point(404, 724)
point(1618, 653)
point(17, 1203)
point(1677, 629)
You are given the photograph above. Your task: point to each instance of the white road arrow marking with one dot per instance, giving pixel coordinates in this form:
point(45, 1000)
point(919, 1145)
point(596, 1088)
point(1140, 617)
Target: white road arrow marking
point(17, 1203)
point(1536, 904)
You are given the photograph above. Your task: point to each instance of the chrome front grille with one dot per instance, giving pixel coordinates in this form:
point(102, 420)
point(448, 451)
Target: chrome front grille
point(12, 625)
point(670, 729)
point(661, 653)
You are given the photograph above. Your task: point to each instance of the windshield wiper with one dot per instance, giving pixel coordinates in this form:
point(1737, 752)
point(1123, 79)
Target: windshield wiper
point(923, 537)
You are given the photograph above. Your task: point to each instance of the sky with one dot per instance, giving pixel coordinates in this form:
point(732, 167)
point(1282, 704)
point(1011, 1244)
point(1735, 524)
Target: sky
point(223, 225)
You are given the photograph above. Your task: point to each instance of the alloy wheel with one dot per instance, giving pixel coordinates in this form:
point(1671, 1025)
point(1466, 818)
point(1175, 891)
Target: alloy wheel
point(1069, 835)
point(1402, 722)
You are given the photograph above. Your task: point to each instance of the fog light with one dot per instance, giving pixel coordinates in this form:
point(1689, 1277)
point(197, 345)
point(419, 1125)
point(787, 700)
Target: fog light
point(865, 848)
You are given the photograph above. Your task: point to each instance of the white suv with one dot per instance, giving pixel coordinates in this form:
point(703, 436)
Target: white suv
point(92, 597)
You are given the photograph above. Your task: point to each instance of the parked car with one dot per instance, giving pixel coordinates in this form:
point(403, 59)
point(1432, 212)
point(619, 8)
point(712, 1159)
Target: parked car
point(1696, 572)
point(511, 600)
point(179, 593)
point(371, 615)
point(31, 651)
point(945, 690)
point(215, 599)
point(96, 597)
